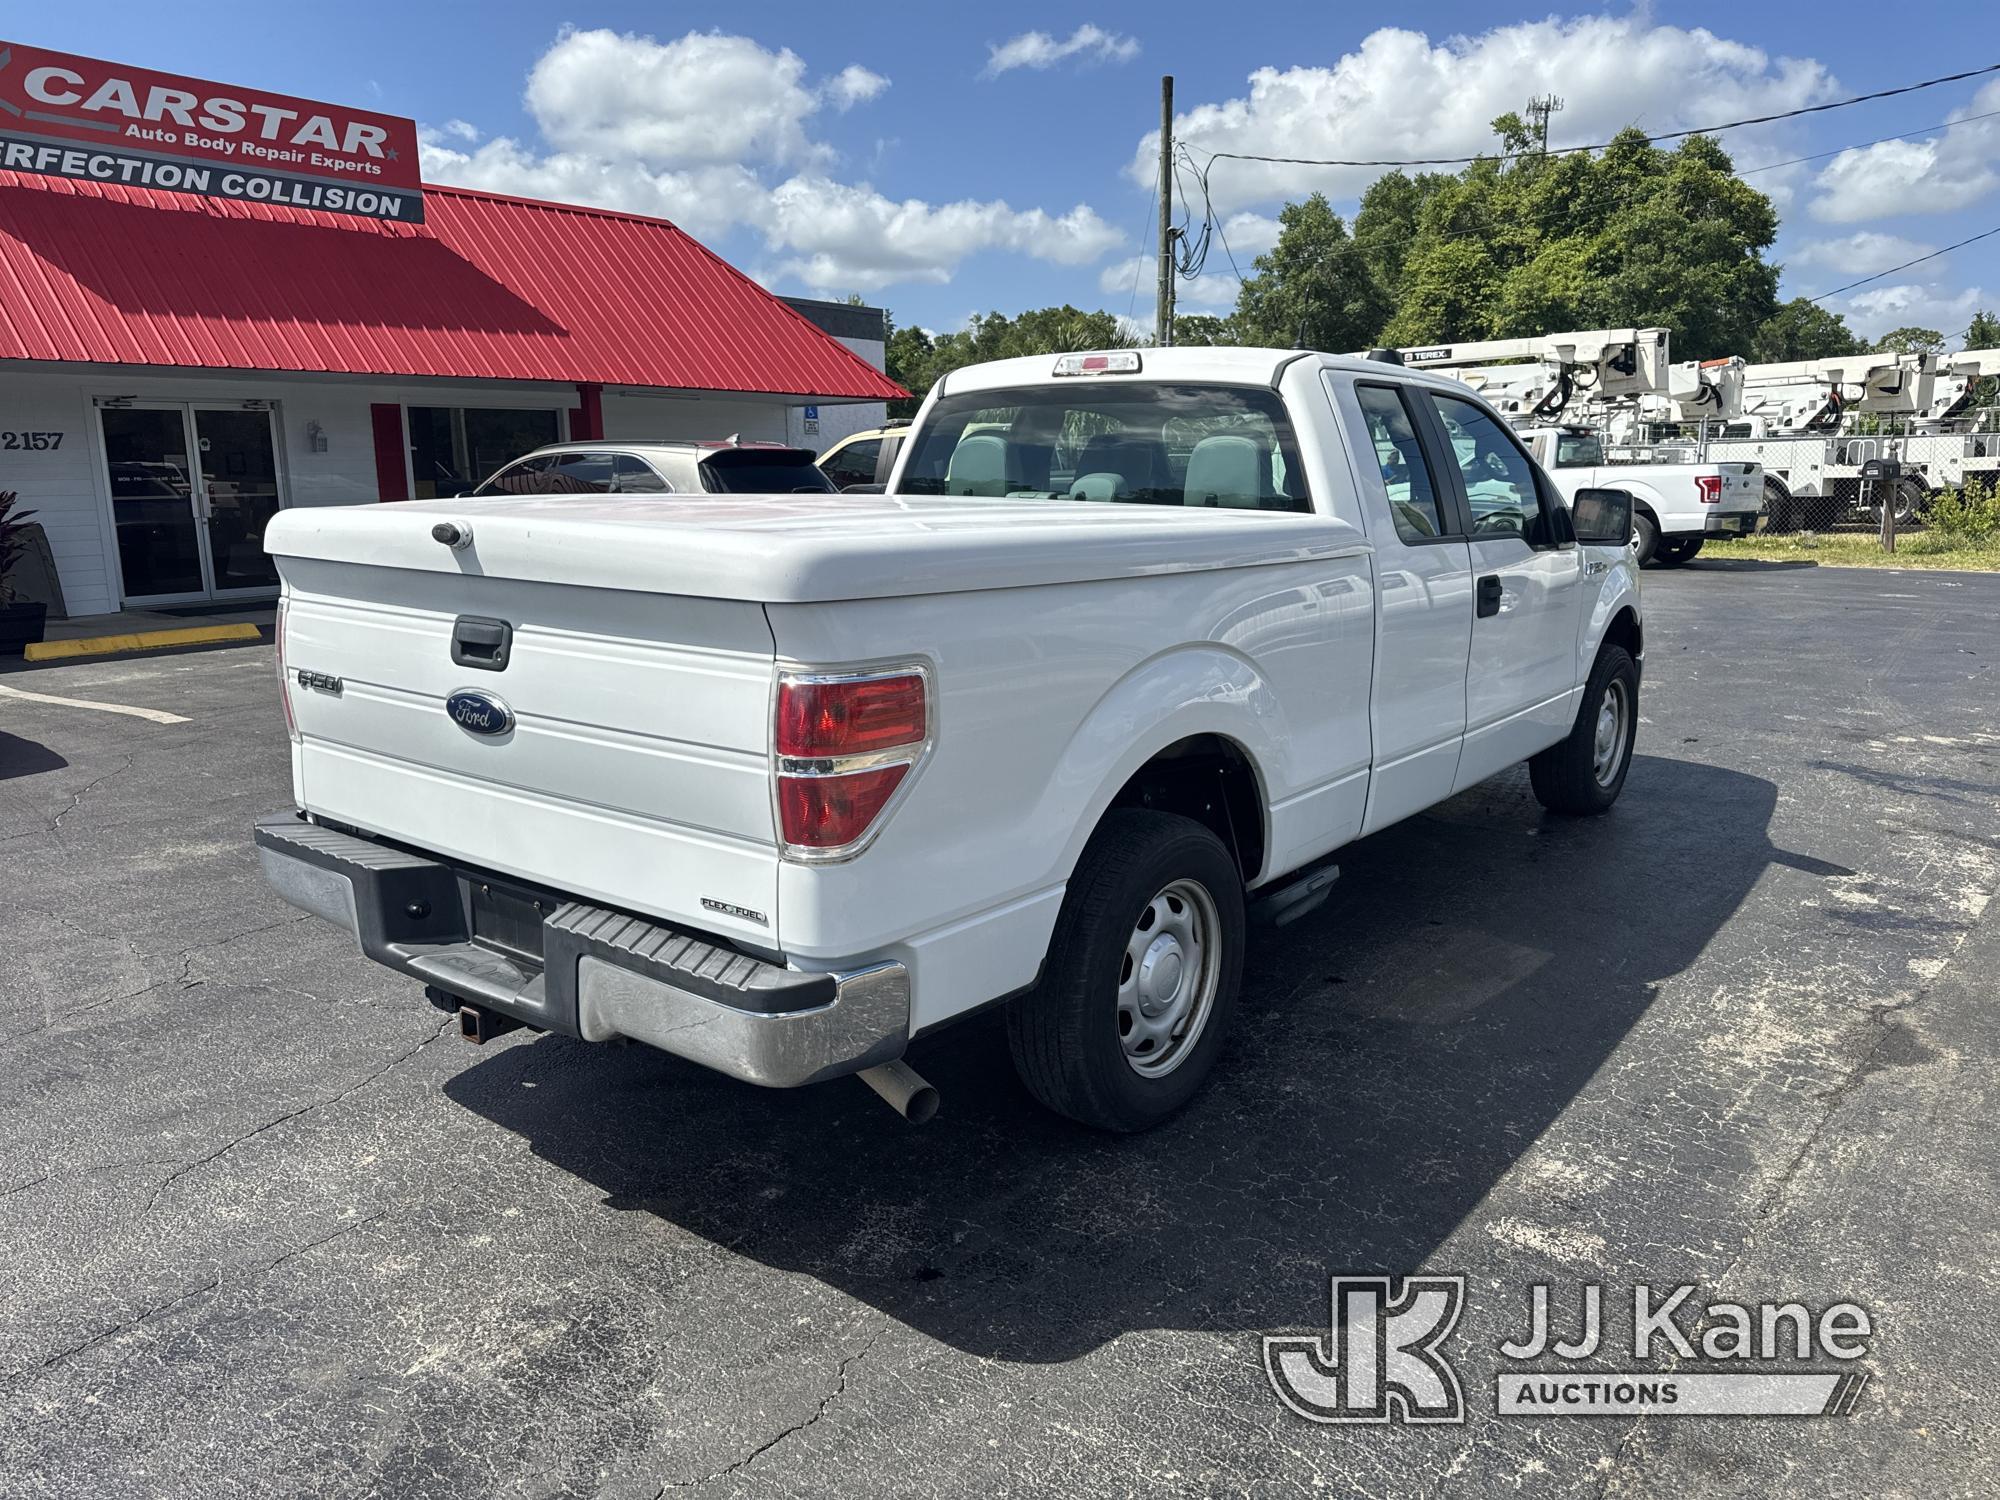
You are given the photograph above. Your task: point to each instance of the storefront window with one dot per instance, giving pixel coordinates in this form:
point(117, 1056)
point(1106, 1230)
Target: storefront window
point(452, 448)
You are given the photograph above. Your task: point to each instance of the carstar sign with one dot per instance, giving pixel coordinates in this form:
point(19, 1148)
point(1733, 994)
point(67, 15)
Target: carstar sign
point(67, 116)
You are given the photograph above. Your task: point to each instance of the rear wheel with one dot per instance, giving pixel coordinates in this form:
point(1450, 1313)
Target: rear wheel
point(1778, 514)
point(1140, 984)
point(1645, 536)
point(1910, 500)
point(1585, 772)
point(1676, 550)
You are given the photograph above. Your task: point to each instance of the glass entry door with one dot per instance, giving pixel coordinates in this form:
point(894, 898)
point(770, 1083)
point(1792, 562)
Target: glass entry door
point(192, 487)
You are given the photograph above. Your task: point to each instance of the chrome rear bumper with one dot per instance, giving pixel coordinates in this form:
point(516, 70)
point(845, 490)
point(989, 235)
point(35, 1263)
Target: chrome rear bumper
point(599, 974)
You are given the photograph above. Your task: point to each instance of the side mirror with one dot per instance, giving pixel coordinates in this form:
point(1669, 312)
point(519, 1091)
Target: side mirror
point(1602, 518)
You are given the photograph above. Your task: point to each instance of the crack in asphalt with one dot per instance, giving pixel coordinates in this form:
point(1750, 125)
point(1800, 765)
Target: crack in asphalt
point(152, 1202)
point(147, 1315)
point(1774, 1198)
point(825, 1403)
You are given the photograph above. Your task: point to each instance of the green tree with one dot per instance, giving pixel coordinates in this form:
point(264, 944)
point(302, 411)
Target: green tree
point(1521, 243)
point(1912, 340)
point(1984, 332)
point(908, 357)
point(916, 359)
point(1801, 329)
point(1313, 287)
point(1203, 329)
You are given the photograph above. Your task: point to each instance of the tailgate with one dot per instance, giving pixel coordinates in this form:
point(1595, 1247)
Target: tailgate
point(631, 760)
point(1742, 486)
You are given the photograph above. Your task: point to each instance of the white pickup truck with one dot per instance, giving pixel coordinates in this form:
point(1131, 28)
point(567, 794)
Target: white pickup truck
point(1675, 507)
point(1134, 643)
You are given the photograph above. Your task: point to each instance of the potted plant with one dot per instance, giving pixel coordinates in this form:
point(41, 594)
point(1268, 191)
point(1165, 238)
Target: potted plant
point(21, 620)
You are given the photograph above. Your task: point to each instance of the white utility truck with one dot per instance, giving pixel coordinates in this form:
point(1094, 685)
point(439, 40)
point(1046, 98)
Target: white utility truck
point(1133, 644)
point(1599, 376)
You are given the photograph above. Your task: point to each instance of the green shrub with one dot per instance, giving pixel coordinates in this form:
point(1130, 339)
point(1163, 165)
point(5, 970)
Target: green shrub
point(1968, 517)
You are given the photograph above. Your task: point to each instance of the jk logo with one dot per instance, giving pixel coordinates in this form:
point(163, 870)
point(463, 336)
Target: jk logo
point(1379, 1361)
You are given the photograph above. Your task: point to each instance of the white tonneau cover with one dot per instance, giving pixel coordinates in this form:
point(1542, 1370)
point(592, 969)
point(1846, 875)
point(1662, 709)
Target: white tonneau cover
point(782, 549)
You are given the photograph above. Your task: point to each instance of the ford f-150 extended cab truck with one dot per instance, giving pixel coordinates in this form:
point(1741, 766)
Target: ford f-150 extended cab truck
point(1131, 646)
point(1675, 507)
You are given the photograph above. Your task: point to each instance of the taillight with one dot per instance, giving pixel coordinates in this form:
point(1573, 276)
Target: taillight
point(849, 716)
point(284, 681)
point(844, 743)
point(1710, 486)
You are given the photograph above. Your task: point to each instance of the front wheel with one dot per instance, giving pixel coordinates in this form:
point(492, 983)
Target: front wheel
point(1140, 983)
point(1584, 773)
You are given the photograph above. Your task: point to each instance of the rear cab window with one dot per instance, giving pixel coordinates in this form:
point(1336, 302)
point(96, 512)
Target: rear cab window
point(763, 471)
point(1142, 443)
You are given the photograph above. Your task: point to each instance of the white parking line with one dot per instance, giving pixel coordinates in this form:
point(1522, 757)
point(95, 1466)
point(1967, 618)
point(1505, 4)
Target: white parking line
point(152, 715)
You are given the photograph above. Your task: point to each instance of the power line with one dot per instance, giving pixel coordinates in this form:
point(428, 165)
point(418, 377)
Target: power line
point(1906, 265)
point(1671, 135)
point(1880, 140)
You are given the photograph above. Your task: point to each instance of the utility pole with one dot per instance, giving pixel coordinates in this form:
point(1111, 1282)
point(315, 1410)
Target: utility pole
point(1539, 110)
point(1163, 302)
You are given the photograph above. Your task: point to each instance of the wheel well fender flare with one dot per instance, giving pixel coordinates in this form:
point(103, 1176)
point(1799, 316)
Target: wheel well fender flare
point(1191, 693)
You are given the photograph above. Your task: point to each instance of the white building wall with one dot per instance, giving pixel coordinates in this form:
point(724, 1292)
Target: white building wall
point(836, 422)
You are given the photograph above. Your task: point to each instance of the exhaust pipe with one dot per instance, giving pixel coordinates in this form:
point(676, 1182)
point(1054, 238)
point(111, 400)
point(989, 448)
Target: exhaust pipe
point(904, 1088)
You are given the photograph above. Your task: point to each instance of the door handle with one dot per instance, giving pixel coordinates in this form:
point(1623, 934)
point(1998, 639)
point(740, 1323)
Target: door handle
point(1488, 596)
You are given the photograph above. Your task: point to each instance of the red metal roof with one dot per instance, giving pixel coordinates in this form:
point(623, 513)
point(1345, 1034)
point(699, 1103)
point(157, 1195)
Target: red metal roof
point(489, 287)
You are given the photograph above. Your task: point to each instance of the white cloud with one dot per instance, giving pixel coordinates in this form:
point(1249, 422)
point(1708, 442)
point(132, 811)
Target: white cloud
point(1214, 291)
point(713, 132)
point(1401, 96)
point(854, 85)
point(705, 201)
point(1939, 174)
point(702, 99)
point(1861, 254)
point(1874, 312)
point(854, 236)
point(1037, 49)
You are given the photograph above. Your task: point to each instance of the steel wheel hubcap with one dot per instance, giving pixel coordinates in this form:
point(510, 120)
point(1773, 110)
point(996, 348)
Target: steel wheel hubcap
point(1608, 742)
point(1168, 977)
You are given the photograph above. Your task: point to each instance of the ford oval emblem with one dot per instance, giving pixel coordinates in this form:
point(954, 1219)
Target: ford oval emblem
point(479, 713)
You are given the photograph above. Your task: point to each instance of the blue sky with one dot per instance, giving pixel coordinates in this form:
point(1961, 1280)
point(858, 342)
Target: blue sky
point(946, 159)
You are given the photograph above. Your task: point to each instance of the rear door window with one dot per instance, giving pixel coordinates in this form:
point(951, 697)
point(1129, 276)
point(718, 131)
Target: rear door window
point(1414, 503)
point(528, 476)
point(634, 476)
point(763, 471)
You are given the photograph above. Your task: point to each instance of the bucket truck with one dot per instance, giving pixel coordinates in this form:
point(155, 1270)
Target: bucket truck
point(1537, 382)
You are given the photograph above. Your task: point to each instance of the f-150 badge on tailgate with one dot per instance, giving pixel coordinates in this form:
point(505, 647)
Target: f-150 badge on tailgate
point(480, 713)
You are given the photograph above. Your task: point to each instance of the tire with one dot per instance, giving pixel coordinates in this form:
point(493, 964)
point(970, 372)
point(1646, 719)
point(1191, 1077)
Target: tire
point(1645, 536)
point(1674, 551)
point(1778, 514)
point(1084, 1040)
point(1912, 500)
point(1580, 777)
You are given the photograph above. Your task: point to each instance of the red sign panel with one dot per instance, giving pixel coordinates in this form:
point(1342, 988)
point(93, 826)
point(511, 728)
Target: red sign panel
point(67, 116)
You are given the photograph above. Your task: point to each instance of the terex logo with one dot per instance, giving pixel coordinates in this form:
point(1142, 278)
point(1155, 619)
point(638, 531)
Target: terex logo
point(1379, 1361)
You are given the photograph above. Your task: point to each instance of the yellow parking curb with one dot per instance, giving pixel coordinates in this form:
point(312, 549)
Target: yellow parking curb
point(144, 640)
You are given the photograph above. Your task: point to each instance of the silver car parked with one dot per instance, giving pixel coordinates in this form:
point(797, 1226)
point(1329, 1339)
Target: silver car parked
point(647, 466)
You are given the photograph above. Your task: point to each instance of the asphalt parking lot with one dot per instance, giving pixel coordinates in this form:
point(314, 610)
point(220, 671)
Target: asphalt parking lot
point(266, 1227)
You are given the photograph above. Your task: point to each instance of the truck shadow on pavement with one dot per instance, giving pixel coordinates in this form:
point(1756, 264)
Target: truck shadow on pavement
point(19, 757)
point(1395, 1054)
